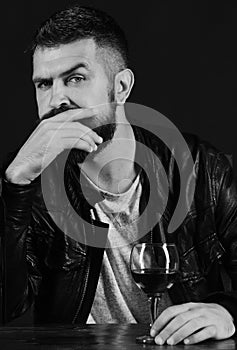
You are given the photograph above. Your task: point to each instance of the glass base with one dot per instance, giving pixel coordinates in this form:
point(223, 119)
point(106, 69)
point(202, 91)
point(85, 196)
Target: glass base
point(145, 339)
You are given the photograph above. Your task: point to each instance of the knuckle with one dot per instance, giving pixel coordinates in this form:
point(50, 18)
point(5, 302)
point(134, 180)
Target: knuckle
point(83, 145)
point(85, 133)
point(193, 324)
point(93, 135)
point(191, 304)
point(212, 332)
point(88, 137)
point(230, 328)
point(196, 323)
point(181, 319)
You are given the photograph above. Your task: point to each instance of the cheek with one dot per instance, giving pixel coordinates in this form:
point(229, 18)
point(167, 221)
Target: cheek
point(96, 93)
point(99, 97)
point(42, 103)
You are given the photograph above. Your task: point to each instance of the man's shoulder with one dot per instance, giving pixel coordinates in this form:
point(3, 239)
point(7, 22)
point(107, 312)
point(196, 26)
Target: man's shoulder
point(170, 143)
point(205, 150)
point(172, 138)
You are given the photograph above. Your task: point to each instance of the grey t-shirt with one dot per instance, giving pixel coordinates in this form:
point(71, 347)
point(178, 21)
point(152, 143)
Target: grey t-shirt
point(118, 299)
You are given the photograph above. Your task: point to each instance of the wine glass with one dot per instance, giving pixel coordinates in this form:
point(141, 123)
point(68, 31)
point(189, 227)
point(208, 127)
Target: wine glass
point(154, 268)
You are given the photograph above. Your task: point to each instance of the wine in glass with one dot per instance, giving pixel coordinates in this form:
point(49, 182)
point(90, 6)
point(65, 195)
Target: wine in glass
point(154, 268)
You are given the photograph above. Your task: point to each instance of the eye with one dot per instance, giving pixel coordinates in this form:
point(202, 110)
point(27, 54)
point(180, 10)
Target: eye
point(75, 79)
point(43, 85)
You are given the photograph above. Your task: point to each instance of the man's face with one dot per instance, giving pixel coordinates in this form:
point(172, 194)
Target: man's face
point(72, 76)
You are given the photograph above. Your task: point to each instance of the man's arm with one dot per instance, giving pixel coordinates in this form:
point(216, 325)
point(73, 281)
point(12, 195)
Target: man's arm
point(216, 316)
point(226, 223)
point(20, 278)
point(20, 179)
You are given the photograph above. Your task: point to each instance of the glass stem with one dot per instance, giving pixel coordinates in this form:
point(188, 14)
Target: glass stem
point(153, 303)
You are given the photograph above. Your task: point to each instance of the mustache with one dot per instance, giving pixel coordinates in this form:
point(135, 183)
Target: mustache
point(56, 111)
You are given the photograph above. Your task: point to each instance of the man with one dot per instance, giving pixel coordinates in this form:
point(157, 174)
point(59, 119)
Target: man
point(82, 80)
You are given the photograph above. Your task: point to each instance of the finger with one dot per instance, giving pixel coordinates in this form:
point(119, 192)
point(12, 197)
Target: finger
point(178, 323)
point(72, 126)
point(58, 135)
point(168, 314)
point(206, 333)
point(187, 329)
point(75, 114)
point(75, 143)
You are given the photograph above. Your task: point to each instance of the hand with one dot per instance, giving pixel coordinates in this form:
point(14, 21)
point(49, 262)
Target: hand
point(49, 139)
point(192, 323)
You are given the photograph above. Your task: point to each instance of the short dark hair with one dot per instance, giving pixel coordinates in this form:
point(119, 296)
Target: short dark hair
point(82, 22)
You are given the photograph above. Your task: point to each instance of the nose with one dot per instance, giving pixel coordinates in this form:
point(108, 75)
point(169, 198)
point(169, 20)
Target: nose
point(58, 96)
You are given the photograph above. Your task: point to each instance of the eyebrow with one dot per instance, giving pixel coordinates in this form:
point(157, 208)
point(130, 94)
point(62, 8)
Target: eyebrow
point(39, 79)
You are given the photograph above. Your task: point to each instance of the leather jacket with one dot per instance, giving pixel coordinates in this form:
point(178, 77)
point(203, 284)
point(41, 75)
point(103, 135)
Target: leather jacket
point(58, 274)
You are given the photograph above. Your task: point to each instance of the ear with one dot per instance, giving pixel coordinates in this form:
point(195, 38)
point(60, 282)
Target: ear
point(123, 84)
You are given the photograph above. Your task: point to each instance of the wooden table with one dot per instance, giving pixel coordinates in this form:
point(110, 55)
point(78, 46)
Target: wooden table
point(96, 337)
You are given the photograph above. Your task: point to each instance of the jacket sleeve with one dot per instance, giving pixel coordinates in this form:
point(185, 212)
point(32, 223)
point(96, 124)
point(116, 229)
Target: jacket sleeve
point(20, 276)
point(225, 195)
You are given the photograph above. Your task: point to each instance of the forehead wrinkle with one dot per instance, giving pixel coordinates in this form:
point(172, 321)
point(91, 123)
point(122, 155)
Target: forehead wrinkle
point(57, 66)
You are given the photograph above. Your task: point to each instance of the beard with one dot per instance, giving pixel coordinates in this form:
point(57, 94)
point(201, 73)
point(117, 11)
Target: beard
point(106, 131)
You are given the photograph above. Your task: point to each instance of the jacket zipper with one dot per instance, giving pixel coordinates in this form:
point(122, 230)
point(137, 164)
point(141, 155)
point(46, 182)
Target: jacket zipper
point(85, 283)
point(151, 235)
point(83, 295)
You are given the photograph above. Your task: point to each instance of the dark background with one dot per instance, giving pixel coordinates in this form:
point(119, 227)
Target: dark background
point(183, 54)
